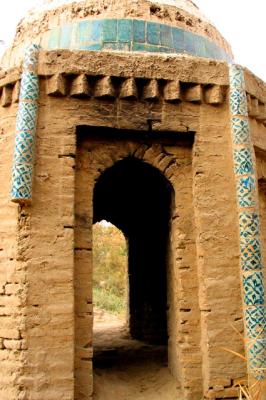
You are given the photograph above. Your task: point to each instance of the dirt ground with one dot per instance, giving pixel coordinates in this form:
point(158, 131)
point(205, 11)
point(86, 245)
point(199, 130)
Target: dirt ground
point(126, 369)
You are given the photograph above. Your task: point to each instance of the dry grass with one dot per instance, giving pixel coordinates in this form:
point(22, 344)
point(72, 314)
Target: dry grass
point(248, 390)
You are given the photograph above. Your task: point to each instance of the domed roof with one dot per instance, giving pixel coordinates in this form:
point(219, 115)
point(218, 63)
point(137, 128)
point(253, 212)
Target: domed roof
point(158, 26)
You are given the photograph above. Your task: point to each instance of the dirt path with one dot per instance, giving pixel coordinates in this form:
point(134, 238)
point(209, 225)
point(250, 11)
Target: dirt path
point(126, 369)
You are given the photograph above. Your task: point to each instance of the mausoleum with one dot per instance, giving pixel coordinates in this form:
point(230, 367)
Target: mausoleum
point(132, 111)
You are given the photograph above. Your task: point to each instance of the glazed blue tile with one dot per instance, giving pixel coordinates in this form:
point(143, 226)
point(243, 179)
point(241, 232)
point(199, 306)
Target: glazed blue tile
point(200, 46)
point(66, 36)
point(250, 250)
point(31, 57)
point(166, 36)
point(146, 47)
point(21, 181)
point(166, 50)
point(178, 40)
point(110, 30)
point(217, 52)
point(249, 224)
point(171, 40)
point(243, 161)
point(257, 358)
point(124, 46)
point(210, 49)
point(24, 148)
point(240, 131)
point(139, 47)
point(139, 31)
point(153, 49)
point(84, 28)
point(95, 31)
point(91, 47)
point(29, 88)
point(254, 289)
point(153, 33)
point(54, 39)
point(238, 102)
point(26, 116)
point(255, 318)
point(125, 30)
point(236, 75)
point(189, 43)
point(246, 191)
point(110, 46)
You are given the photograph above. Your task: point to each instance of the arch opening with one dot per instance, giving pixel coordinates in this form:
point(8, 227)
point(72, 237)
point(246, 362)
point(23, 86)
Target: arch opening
point(110, 282)
point(136, 198)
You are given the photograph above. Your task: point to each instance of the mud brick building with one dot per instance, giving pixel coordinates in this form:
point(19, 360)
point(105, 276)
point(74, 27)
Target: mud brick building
point(134, 112)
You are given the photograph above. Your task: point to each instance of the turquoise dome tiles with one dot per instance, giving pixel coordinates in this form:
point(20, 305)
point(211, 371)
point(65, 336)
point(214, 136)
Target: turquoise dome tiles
point(131, 35)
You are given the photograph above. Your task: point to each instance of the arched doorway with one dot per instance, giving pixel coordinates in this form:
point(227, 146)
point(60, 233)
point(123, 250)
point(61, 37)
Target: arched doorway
point(144, 188)
point(136, 198)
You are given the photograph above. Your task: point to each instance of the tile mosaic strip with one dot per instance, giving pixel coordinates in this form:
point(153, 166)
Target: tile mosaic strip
point(256, 322)
point(29, 88)
point(238, 102)
point(246, 191)
point(257, 357)
point(243, 161)
point(21, 190)
point(249, 227)
point(131, 35)
point(250, 249)
point(254, 288)
point(248, 224)
point(240, 131)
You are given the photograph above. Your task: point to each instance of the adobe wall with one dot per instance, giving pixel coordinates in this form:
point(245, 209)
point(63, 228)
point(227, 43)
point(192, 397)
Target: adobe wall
point(178, 95)
point(13, 266)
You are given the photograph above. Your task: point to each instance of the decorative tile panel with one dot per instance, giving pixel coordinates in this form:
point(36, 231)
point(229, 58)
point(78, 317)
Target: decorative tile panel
point(256, 321)
point(24, 144)
point(26, 117)
point(240, 131)
point(31, 58)
point(29, 88)
point(238, 102)
point(250, 249)
point(249, 227)
point(249, 224)
point(21, 182)
point(25, 127)
point(254, 289)
point(237, 80)
point(131, 35)
point(257, 357)
point(243, 161)
point(246, 190)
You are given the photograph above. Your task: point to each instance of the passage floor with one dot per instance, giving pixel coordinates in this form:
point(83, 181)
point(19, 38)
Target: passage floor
point(126, 369)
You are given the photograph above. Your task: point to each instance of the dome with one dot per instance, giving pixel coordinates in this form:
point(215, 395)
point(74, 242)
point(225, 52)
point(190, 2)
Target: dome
point(156, 26)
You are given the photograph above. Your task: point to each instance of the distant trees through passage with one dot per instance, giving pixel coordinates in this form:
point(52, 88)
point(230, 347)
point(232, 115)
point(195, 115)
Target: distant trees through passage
point(110, 277)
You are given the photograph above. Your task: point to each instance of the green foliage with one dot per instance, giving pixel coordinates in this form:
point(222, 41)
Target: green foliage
point(109, 268)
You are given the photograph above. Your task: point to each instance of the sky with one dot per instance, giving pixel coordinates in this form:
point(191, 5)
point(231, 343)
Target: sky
point(242, 25)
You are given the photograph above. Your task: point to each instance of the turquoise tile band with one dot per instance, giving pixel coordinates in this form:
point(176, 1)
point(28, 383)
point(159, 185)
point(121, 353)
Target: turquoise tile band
point(131, 35)
point(21, 189)
point(251, 262)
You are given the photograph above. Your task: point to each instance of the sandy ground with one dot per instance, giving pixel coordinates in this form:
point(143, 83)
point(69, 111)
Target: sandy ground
point(126, 369)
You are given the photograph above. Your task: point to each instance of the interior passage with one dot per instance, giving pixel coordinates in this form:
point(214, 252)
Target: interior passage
point(136, 198)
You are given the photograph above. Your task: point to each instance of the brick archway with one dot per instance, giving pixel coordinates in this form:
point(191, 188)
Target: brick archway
point(97, 158)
